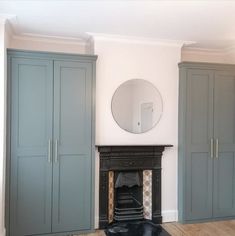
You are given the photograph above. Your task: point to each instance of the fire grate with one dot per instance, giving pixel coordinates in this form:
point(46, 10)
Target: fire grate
point(128, 208)
point(129, 197)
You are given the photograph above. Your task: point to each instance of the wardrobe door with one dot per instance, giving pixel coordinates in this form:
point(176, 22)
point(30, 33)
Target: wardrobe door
point(31, 131)
point(199, 131)
point(72, 156)
point(224, 133)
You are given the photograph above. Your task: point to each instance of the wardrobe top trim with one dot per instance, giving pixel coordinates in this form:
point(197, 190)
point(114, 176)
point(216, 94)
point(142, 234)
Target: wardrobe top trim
point(50, 55)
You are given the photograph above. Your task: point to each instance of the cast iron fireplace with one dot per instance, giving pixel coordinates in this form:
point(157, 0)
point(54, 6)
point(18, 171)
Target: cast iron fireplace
point(125, 174)
point(128, 196)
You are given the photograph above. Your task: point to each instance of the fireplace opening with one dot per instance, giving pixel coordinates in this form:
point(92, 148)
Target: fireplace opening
point(128, 196)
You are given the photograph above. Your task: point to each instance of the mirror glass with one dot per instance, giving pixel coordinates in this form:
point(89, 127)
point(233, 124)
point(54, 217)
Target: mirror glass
point(137, 106)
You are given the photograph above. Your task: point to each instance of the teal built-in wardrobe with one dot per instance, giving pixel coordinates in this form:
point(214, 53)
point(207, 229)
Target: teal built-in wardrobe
point(50, 185)
point(206, 142)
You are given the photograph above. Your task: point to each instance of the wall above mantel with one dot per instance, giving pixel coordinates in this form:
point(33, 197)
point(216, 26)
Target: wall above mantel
point(120, 61)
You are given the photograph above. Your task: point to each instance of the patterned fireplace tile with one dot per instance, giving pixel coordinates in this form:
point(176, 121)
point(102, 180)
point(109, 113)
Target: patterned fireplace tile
point(147, 194)
point(111, 196)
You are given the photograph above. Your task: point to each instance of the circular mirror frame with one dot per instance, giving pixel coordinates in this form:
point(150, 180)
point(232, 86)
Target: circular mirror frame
point(161, 102)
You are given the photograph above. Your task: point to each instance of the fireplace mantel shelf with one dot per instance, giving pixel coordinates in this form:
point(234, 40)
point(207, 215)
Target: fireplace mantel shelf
point(132, 148)
point(131, 157)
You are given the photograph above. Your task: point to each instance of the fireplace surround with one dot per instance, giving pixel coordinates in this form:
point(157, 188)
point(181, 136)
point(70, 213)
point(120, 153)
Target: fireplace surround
point(116, 159)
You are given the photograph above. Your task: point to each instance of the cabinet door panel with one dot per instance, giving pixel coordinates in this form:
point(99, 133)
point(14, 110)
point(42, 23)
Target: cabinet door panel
point(31, 128)
point(72, 129)
point(224, 131)
point(199, 126)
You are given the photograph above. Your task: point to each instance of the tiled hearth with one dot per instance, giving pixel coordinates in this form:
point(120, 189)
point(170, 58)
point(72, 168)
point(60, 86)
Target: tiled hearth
point(145, 160)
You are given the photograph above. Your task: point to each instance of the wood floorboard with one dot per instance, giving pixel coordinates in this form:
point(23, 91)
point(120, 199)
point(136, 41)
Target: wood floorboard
point(218, 228)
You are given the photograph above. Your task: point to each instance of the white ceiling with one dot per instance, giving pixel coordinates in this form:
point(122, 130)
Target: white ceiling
point(210, 23)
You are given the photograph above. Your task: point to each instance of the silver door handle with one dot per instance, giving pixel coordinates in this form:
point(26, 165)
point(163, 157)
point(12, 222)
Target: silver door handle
point(212, 147)
point(49, 151)
point(56, 151)
point(217, 149)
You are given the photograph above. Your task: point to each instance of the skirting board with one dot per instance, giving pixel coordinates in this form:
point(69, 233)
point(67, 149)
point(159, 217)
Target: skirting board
point(3, 233)
point(169, 216)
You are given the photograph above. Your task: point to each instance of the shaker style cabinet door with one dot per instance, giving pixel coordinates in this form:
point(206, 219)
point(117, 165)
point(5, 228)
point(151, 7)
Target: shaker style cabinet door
point(31, 135)
point(224, 138)
point(206, 142)
point(72, 146)
point(199, 131)
point(50, 169)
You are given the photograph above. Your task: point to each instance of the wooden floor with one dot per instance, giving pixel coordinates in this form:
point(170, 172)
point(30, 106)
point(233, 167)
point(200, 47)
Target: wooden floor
point(97, 233)
point(219, 228)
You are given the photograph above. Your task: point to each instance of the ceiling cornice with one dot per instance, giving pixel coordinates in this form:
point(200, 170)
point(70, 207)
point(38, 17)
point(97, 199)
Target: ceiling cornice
point(138, 40)
point(4, 18)
point(9, 29)
point(16, 34)
point(2, 21)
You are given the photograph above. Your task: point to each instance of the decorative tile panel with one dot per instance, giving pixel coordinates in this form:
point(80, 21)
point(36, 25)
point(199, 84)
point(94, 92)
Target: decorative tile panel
point(147, 194)
point(111, 196)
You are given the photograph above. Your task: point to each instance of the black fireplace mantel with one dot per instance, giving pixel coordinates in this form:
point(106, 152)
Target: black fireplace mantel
point(130, 157)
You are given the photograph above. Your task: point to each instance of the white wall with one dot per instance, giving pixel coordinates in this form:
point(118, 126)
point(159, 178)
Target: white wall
point(2, 84)
point(209, 55)
point(4, 40)
point(119, 61)
point(50, 44)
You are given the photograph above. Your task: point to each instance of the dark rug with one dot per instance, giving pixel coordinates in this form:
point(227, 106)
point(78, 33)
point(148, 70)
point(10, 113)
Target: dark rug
point(136, 228)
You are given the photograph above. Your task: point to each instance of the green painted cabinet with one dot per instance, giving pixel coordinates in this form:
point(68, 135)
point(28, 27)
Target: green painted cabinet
point(206, 141)
point(51, 144)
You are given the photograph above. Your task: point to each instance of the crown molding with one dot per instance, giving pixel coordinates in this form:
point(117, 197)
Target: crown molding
point(9, 29)
point(2, 21)
point(50, 39)
point(138, 40)
point(4, 18)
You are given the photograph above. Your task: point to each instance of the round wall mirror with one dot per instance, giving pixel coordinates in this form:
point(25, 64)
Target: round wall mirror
point(137, 106)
